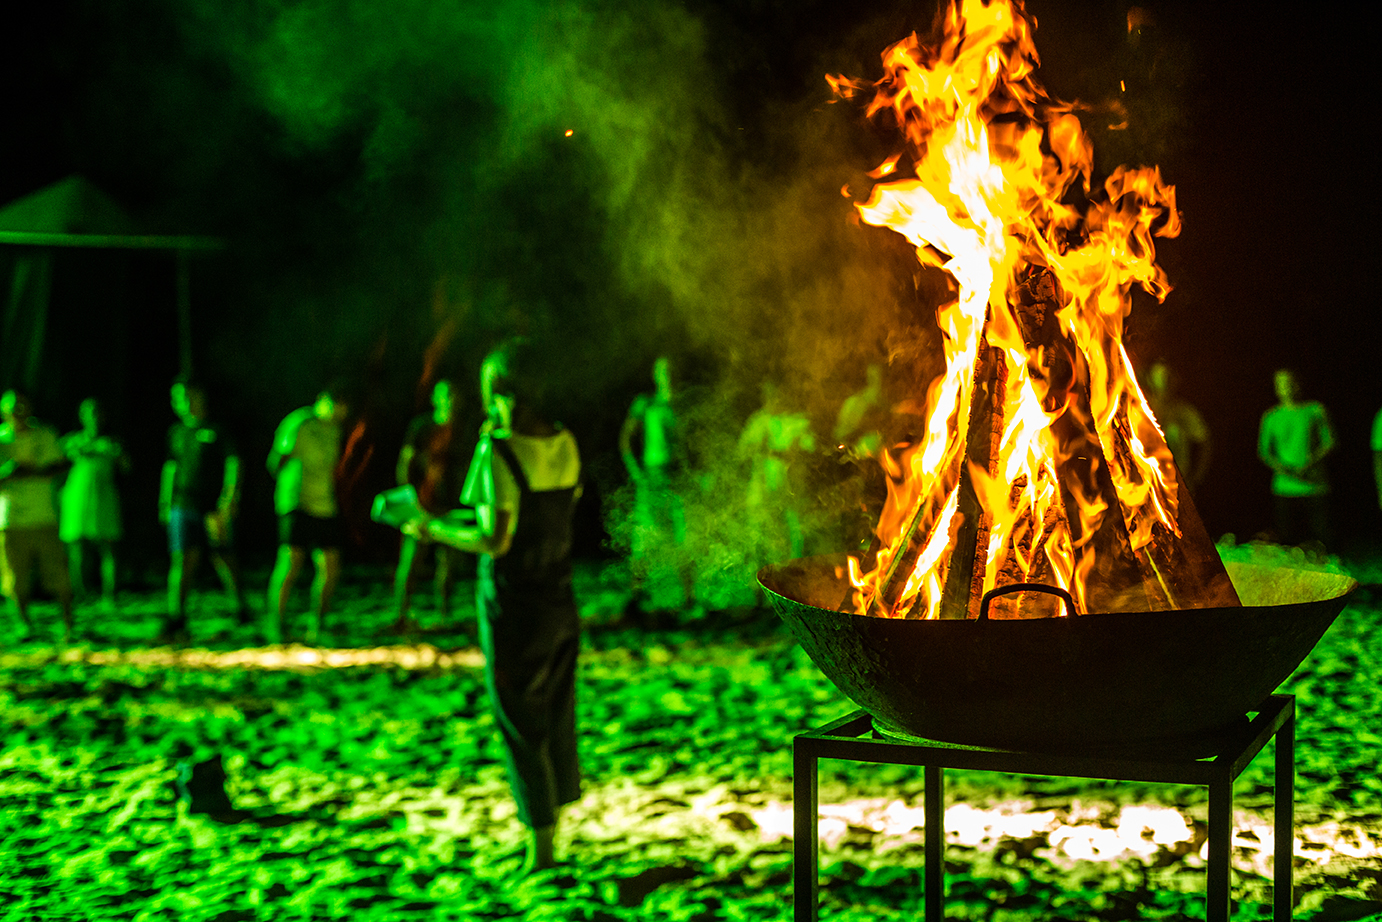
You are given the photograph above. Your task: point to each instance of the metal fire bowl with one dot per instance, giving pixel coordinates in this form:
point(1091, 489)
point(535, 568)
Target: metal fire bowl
point(1117, 682)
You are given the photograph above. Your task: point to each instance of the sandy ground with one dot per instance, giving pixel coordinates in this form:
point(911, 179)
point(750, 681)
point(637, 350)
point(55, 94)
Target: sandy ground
point(370, 783)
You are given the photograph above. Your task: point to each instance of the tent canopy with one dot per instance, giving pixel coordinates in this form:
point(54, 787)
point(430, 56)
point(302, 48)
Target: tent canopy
point(68, 214)
point(74, 213)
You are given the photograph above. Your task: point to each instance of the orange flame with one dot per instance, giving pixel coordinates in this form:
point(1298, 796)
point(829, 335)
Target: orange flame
point(994, 158)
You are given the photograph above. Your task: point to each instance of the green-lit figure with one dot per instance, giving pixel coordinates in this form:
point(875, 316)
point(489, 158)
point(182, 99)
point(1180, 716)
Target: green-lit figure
point(1294, 439)
point(1377, 455)
point(856, 425)
point(1186, 433)
point(858, 439)
point(198, 499)
point(524, 482)
point(306, 449)
point(772, 440)
point(659, 521)
point(432, 460)
point(30, 463)
point(90, 502)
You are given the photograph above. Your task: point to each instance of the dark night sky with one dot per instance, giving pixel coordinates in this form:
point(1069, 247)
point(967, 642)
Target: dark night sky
point(356, 233)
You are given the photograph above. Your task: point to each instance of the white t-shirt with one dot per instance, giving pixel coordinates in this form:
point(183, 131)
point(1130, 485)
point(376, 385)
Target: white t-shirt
point(551, 462)
point(307, 479)
point(29, 502)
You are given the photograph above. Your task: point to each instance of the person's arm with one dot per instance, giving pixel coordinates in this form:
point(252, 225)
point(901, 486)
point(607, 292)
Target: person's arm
point(275, 460)
point(285, 442)
point(165, 489)
point(1266, 451)
point(1327, 443)
point(495, 504)
point(1377, 475)
point(626, 441)
point(405, 463)
point(1376, 441)
point(489, 535)
point(230, 487)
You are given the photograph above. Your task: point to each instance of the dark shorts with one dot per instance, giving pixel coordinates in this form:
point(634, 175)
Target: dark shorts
point(187, 530)
point(26, 551)
point(298, 529)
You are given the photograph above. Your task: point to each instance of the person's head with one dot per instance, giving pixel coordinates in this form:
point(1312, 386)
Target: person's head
point(1161, 381)
point(15, 408)
point(91, 414)
point(513, 391)
point(188, 398)
point(875, 375)
point(443, 400)
point(1287, 384)
point(331, 405)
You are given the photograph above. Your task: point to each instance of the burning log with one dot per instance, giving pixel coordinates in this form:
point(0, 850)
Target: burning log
point(1041, 461)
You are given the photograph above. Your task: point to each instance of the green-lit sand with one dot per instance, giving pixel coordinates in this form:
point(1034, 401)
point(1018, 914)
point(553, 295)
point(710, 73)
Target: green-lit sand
point(373, 780)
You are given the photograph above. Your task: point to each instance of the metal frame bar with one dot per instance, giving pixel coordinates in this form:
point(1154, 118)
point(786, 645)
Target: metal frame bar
point(845, 739)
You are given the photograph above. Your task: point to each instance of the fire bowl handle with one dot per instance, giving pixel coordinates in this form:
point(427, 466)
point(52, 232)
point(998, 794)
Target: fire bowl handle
point(996, 591)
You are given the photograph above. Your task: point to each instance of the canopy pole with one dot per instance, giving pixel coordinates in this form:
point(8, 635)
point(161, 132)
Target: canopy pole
point(184, 272)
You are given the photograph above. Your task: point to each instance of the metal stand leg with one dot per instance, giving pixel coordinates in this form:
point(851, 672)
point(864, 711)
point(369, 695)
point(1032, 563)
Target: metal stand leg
point(1284, 817)
point(805, 833)
point(934, 806)
point(849, 738)
point(1220, 845)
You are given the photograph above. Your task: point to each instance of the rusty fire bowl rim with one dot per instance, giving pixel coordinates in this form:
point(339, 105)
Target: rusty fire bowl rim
point(1097, 682)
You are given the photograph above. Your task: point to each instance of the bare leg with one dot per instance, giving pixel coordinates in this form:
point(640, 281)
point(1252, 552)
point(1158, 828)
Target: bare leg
point(286, 569)
point(446, 575)
point(21, 607)
point(74, 568)
point(180, 573)
point(403, 581)
point(65, 604)
point(227, 564)
point(108, 572)
point(328, 564)
point(541, 851)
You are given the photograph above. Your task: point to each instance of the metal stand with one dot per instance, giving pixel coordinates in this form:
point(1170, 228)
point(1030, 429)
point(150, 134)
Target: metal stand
point(849, 738)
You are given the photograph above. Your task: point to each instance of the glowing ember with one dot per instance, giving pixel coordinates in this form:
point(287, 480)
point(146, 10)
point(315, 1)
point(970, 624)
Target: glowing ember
point(1041, 461)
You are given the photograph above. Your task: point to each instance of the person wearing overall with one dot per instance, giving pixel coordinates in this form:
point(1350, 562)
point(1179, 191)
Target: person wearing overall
point(524, 482)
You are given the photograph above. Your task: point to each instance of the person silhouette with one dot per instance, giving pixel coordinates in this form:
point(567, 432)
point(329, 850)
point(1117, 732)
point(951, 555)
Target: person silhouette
point(31, 461)
point(431, 459)
point(303, 460)
point(524, 482)
point(1293, 440)
point(90, 502)
point(199, 498)
point(1187, 436)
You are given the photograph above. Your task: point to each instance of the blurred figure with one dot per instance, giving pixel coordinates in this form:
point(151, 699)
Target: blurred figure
point(90, 502)
point(198, 499)
point(1186, 433)
point(1377, 455)
point(773, 439)
point(524, 481)
point(1294, 439)
point(856, 425)
point(307, 447)
point(30, 463)
point(432, 460)
point(858, 482)
point(659, 524)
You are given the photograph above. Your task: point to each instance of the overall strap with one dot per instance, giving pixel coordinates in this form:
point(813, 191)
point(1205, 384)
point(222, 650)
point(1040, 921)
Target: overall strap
point(505, 451)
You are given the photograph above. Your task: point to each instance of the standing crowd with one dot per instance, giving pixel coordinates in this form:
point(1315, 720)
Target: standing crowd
point(59, 501)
